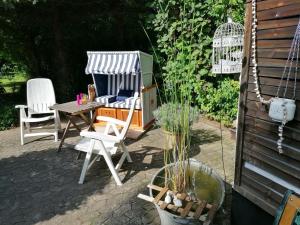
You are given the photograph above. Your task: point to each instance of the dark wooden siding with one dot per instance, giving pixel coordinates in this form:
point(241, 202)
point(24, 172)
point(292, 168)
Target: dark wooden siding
point(257, 133)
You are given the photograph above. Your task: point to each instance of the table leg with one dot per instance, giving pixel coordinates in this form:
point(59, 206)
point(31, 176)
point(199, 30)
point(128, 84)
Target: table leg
point(79, 130)
point(85, 119)
point(64, 135)
point(74, 124)
point(91, 126)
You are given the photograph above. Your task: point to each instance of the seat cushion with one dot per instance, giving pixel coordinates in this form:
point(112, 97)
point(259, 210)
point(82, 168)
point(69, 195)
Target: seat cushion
point(125, 104)
point(84, 143)
point(121, 98)
point(126, 93)
point(105, 99)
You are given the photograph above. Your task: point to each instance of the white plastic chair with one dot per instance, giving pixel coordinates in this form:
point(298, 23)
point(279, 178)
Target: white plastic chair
point(105, 144)
point(40, 96)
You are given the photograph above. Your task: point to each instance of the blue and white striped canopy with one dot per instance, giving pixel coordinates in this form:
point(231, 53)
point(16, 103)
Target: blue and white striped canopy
point(113, 63)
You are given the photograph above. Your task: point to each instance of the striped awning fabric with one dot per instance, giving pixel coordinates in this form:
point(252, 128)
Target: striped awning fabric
point(113, 63)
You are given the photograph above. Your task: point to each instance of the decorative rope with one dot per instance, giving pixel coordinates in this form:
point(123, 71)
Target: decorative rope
point(293, 50)
point(280, 129)
point(254, 56)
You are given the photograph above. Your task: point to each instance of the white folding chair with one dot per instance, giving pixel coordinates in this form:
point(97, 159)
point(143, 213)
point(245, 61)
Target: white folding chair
point(40, 96)
point(105, 144)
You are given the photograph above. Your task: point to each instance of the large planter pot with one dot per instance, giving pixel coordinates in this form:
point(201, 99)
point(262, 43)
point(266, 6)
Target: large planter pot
point(168, 218)
point(170, 139)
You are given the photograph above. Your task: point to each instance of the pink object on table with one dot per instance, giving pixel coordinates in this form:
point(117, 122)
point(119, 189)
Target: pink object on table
point(78, 99)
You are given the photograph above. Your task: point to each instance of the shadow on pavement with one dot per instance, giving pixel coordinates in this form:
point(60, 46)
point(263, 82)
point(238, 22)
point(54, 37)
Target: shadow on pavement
point(38, 185)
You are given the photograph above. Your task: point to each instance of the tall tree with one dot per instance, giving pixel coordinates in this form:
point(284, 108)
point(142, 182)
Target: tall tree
point(50, 37)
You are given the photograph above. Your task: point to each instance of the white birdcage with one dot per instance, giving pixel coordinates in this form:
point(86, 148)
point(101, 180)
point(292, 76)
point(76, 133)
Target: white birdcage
point(228, 44)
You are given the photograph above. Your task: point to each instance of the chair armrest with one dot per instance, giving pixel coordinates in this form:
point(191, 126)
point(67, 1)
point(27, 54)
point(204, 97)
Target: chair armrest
point(111, 120)
point(22, 111)
point(21, 106)
point(99, 136)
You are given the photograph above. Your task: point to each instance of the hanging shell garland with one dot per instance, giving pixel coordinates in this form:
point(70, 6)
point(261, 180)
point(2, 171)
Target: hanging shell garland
point(254, 61)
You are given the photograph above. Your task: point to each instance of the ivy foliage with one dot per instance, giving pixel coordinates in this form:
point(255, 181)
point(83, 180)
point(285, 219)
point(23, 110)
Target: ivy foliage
point(184, 31)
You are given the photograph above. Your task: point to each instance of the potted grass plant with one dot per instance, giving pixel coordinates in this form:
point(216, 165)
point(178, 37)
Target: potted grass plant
point(183, 182)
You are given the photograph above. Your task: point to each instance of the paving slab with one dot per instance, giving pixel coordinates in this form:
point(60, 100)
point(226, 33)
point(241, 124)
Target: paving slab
point(40, 186)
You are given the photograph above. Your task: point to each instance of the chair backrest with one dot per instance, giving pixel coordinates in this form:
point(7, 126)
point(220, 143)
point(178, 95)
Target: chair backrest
point(288, 213)
point(40, 95)
point(130, 116)
point(111, 84)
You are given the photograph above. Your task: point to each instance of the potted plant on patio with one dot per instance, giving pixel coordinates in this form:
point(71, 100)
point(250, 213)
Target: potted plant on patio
point(184, 191)
point(166, 116)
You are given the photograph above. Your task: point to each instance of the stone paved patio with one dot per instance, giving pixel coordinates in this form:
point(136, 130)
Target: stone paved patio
point(39, 186)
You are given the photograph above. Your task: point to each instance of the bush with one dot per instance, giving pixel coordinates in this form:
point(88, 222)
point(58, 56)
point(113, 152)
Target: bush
point(169, 116)
point(184, 31)
point(221, 103)
point(8, 116)
point(2, 90)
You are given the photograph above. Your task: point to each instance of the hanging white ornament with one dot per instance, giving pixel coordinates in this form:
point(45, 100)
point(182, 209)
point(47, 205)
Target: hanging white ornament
point(281, 106)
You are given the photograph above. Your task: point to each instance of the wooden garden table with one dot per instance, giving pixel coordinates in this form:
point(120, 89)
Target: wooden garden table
point(72, 110)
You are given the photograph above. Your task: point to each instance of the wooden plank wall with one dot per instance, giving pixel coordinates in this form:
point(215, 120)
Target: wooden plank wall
point(257, 134)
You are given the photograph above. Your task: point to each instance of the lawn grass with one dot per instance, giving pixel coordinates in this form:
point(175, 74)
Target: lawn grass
point(10, 98)
point(13, 84)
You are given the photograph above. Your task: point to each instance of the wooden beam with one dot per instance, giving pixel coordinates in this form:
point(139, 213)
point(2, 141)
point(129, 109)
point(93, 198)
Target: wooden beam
point(271, 4)
point(277, 33)
point(160, 194)
point(271, 24)
point(186, 209)
point(243, 96)
point(200, 209)
point(281, 12)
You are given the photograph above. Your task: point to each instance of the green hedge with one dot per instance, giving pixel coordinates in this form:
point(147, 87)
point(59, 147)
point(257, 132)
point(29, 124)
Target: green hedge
point(221, 103)
point(8, 115)
point(184, 31)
